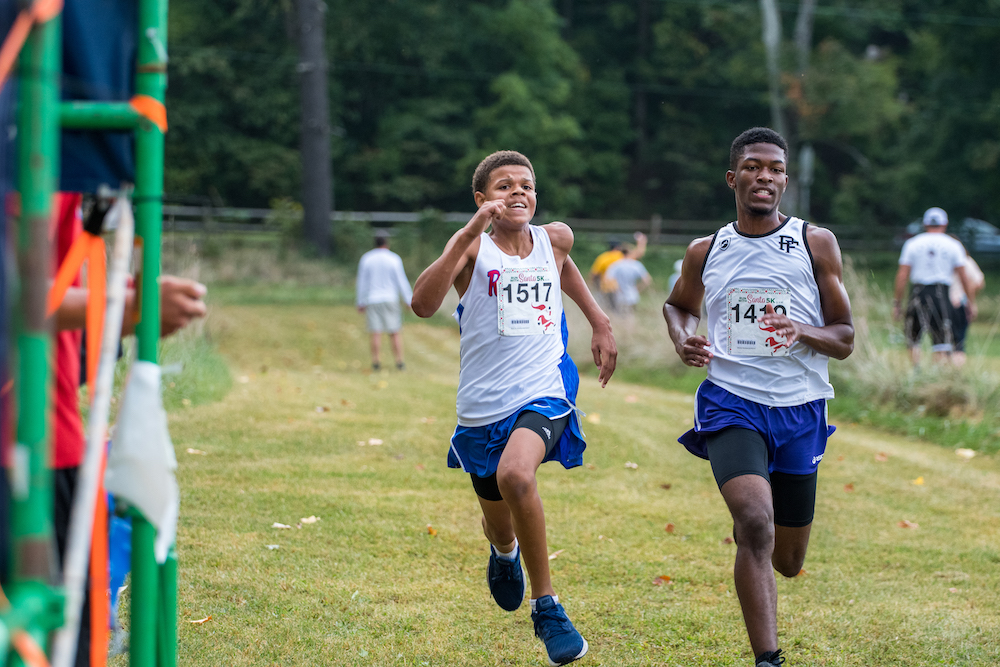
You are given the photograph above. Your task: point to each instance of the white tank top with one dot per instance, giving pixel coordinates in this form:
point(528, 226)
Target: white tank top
point(741, 274)
point(500, 372)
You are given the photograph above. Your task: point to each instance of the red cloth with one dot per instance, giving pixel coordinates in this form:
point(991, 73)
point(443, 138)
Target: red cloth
point(67, 432)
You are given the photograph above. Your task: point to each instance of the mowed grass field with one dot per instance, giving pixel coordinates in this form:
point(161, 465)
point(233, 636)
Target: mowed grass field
point(394, 570)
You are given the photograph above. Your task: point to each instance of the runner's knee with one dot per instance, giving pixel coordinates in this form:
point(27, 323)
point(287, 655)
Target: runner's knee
point(516, 482)
point(789, 562)
point(754, 527)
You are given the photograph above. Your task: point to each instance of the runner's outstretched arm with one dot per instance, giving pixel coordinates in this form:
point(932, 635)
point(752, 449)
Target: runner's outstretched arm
point(457, 260)
point(602, 343)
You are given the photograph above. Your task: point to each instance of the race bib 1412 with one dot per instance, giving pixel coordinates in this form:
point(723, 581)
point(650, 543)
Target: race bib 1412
point(747, 336)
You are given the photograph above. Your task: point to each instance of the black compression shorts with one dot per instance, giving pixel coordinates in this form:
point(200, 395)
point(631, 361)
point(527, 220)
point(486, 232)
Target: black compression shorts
point(549, 430)
point(738, 451)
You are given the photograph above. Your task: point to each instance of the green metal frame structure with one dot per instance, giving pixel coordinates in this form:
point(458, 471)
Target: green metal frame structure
point(36, 605)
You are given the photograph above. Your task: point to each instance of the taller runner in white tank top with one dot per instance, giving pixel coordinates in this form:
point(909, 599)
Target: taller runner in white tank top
point(741, 274)
point(510, 322)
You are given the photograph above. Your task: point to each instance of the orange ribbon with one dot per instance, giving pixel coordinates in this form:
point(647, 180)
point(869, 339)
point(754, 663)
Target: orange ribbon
point(87, 247)
point(151, 109)
point(41, 11)
point(29, 650)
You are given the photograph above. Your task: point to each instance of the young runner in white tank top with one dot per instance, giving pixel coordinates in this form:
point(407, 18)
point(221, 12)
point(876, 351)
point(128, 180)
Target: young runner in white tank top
point(510, 319)
point(516, 383)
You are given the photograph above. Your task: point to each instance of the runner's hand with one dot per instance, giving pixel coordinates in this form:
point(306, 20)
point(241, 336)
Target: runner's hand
point(487, 214)
point(694, 351)
point(602, 344)
point(783, 326)
point(971, 311)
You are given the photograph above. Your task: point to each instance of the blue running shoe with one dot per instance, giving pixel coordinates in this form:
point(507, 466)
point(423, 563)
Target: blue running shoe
point(506, 580)
point(562, 642)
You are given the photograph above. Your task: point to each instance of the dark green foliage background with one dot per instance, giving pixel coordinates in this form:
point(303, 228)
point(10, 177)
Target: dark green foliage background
point(626, 108)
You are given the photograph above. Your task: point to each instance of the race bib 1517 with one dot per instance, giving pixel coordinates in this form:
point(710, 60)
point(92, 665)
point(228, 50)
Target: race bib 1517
point(524, 302)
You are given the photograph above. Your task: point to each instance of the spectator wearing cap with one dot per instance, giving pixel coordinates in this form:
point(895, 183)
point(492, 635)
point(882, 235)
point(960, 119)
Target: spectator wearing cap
point(930, 262)
point(381, 285)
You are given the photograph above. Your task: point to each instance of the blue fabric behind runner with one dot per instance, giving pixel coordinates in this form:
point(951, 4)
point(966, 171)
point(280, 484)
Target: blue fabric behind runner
point(99, 52)
point(8, 164)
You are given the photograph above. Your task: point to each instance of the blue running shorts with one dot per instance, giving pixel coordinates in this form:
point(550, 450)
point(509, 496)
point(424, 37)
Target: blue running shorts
point(477, 449)
point(795, 436)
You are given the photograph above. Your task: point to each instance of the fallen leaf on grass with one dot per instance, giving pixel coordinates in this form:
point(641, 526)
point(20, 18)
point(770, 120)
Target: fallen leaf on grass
point(662, 579)
point(952, 590)
point(382, 384)
point(201, 620)
point(374, 442)
point(310, 519)
point(428, 420)
point(594, 418)
point(666, 487)
point(555, 554)
point(600, 537)
point(840, 458)
point(322, 408)
point(431, 530)
point(908, 524)
point(919, 481)
point(881, 457)
point(272, 547)
point(591, 466)
point(964, 453)
point(346, 403)
point(632, 466)
point(631, 398)
point(802, 573)
point(420, 466)
point(849, 487)
point(669, 528)
point(279, 525)
point(399, 457)
point(244, 379)
point(729, 540)
point(192, 450)
point(185, 402)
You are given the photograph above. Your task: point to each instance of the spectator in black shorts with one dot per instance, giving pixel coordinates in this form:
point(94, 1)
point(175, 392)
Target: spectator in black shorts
point(930, 261)
point(960, 308)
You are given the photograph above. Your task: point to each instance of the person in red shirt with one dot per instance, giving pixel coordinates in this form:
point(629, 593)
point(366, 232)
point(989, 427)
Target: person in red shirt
point(180, 303)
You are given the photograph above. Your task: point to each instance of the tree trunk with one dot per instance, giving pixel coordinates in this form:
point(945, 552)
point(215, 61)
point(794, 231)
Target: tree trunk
point(317, 179)
point(807, 156)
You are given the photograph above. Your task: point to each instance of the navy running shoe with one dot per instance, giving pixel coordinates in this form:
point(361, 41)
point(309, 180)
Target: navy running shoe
point(770, 659)
point(506, 580)
point(562, 642)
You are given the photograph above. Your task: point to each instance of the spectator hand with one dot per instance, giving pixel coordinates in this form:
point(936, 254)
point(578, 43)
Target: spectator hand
point(180, 302)
point(972, 311)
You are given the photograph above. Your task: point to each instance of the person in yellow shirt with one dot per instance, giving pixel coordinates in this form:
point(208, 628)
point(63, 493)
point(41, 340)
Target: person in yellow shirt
point(614, 252)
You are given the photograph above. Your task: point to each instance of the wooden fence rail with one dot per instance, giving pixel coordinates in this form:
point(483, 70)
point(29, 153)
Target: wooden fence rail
point(209, 220)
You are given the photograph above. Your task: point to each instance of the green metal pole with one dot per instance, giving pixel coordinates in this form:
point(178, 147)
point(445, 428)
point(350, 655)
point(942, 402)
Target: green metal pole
point(151, 80)
point(99, 116)
point(167, 639)
point(38, 159)
point(37, 604)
